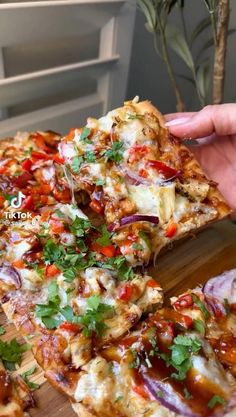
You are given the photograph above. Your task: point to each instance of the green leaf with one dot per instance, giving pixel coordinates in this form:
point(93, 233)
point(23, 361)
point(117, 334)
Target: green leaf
point(226, 306)
point(185, 77)
point(51, 323)
point(137, 246)
point(144, 236)
point(89, 156)
point(104, 240)
point(11, 352)
point(179, 45)
point(2, 330)
point(100, 182)
point(199, 28)
point(199, 326)
point(179, 354)
point(201, 306)
point(203, 80)
point(76, 163)
point(148, 8)
point(68, 313)
point(52, 252)
point(114, 154)
point(25, 376)
point(93, 302)
point(85, 133)
point(216, 399)
point(69, 274)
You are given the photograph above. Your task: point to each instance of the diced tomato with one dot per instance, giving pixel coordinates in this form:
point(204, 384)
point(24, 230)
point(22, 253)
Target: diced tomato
point(58, 159)
point(96, 206)
point(141, 391)
point(63, 195)
point(28, 203)
point(171, 230)
point(163, 168)
point(187, 321)
point(19, 264)
point(40, 142)
point(39, 155)
point(27, 164)
point(152, 283)
point(44, 199)
point(128, 341)
point(22, 180)
point(2, 201)
point(52, 270)
point(109, 251)
point(3, 170)
point(71, 327)
point(137, 152)
point(125, 292)
point(184, 301)
point(71, 134)
point(57, 226)
point(143, 173)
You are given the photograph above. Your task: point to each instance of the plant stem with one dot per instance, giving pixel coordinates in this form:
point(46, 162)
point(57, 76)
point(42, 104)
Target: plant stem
point(220, 51)
point(180, 107)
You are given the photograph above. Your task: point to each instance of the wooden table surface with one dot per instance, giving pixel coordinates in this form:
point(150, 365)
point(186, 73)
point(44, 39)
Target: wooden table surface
point(190, 263)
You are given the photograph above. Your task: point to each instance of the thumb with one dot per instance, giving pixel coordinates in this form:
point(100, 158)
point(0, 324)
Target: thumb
point(219, 119)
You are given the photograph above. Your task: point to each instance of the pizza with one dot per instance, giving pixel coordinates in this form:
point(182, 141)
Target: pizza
point(76, 287)
point(145, 182)
point(178, 362)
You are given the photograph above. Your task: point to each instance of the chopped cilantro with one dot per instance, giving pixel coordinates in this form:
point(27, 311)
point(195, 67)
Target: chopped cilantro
point(11, 353)
point(2, 330)
point(159, 394)
point(85, 133)
point(76, 163)
point(199, 326)
point(89, 156)
point(114, 154)
point(181, 352)
point(100, 182)
point(25, 376)
point(80, 227)
point(136, 362)
point(93, 319)
point(52, 252)
point(226, 306)
point(104, 240)
point(216, 399)
point(187, 394)
point(137, 246)
point(144, 236)
point(200, 305)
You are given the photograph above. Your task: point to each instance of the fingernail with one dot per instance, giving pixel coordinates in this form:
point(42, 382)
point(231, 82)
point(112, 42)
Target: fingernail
point(179, 121)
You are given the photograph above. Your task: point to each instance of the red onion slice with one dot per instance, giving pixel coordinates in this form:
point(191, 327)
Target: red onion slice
point(67, 151)
point(169, 398)
point(222, 287)
point(9, 275)
point(133, 219)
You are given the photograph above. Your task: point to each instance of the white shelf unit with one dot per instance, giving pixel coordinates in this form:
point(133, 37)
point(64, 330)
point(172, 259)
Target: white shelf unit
point(29, 23)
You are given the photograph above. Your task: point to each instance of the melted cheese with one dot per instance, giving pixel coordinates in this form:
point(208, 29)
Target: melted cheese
point(154, 200)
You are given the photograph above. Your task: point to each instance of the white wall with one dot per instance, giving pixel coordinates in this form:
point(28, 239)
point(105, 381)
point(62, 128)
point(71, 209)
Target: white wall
point(148, 76)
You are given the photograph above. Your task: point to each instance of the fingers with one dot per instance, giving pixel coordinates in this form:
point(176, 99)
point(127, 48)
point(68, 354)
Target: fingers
point(218, 119)
point(175, 116)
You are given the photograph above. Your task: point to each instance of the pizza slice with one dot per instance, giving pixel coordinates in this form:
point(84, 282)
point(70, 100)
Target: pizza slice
point(62, 280)
point(166, 367)
point(30, 165)
point(212, 308)
point(144, 181)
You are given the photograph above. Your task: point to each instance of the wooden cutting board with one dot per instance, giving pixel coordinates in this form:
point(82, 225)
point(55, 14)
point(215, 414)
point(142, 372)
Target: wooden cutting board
point(190, 263)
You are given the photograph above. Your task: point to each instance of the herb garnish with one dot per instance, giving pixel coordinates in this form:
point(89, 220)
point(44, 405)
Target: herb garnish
point(32, 385)
point(11, 353)
point(114, 154)
point(200, 305)
point(216, 399)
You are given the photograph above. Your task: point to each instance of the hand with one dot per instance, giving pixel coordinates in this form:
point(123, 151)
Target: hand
point(214, 128)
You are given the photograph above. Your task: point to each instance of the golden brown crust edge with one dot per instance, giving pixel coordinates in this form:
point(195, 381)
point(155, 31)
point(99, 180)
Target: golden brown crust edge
point(215, 197)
